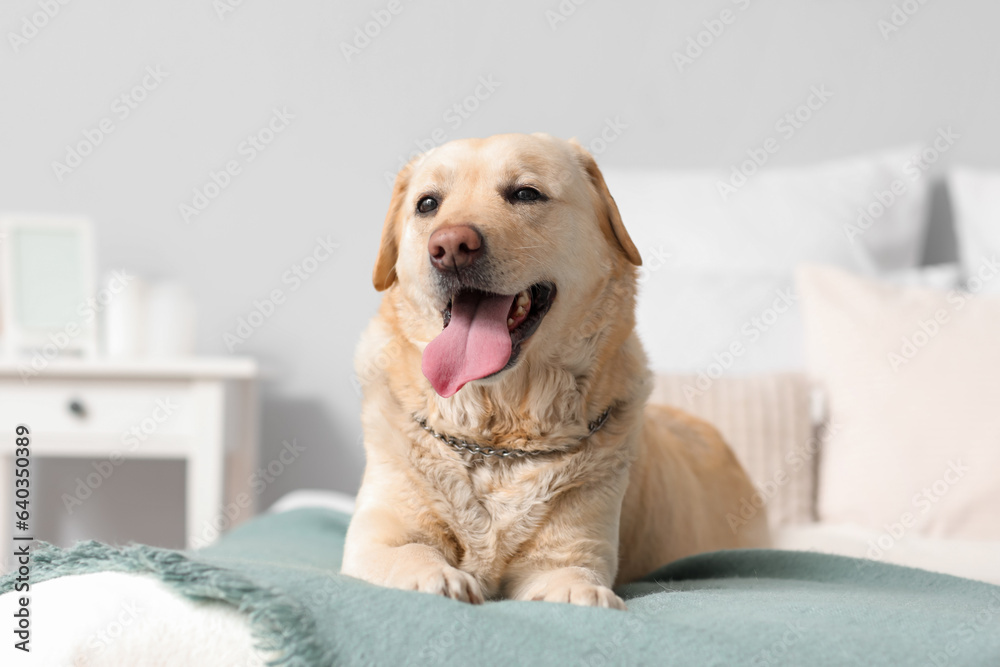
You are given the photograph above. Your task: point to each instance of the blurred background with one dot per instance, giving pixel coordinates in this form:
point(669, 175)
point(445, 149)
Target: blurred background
point(225, 150)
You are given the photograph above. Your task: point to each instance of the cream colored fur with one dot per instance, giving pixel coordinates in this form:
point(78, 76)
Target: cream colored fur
point(652, 486)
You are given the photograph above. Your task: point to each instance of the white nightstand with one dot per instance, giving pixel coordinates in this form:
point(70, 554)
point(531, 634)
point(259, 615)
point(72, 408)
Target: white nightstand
point(199, 410)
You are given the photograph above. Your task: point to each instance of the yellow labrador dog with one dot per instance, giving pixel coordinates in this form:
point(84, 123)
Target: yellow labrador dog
point(510, 450)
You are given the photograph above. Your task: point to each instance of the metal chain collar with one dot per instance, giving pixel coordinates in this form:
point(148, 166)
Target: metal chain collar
point(473, 448)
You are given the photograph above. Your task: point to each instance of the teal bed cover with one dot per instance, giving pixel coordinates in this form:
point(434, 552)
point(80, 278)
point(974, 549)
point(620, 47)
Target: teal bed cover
point(758, 607)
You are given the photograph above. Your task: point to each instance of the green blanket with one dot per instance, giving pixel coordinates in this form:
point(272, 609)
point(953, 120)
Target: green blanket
point(722, 608)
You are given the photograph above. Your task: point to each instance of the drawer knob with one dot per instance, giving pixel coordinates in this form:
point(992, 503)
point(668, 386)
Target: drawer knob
point(77, 408)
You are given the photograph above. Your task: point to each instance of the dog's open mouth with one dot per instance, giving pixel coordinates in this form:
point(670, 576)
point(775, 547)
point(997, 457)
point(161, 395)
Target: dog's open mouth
point(482, 335)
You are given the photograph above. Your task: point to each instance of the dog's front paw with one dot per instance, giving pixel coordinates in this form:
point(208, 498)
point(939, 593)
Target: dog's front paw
point(585, 595)
point(437, 580)
point(567, 585)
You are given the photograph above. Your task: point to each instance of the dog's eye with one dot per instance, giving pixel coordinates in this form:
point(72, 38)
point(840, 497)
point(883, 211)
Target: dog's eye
point(426, 205)
point(526, 194)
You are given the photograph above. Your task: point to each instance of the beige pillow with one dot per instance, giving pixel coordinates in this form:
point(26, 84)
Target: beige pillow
point(912, 378)
point(766, 421)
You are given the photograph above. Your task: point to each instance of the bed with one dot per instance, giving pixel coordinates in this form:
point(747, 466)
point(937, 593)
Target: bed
point(269, 592)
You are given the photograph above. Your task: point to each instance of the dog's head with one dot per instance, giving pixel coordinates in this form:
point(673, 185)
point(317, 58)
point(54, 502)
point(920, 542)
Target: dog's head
point(498, 249)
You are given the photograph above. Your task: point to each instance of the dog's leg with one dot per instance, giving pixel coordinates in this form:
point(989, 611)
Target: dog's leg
point(575, 585)
point(382, 549)
point(574, 556)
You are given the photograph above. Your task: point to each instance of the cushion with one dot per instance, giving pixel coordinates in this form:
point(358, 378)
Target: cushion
point(767, 422)
point(911, 379)
point(975, 198)
point(724, 261)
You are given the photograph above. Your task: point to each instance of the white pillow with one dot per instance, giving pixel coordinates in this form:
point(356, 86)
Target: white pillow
point(912, 379)
point(718, 273)
point(975, 199)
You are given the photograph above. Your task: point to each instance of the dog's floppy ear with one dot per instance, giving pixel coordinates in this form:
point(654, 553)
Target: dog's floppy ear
point(384, 274)
point(608, 207)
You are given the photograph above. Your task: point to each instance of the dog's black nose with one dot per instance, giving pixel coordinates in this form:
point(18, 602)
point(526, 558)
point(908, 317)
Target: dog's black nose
point(454, 247)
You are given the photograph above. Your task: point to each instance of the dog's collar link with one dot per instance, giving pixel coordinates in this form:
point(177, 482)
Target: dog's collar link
point(503, 453)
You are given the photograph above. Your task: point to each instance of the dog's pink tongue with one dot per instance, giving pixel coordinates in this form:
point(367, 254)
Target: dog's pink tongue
point(476, 342)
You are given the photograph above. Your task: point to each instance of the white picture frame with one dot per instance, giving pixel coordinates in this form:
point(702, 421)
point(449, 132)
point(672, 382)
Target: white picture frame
point(47, 286)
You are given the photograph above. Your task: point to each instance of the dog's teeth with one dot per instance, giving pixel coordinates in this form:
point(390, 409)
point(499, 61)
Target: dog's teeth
point(522, 298)
point(510, 322)
point(519, 312)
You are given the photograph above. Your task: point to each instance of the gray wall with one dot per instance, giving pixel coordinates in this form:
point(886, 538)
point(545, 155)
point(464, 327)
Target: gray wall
point(325, 174)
